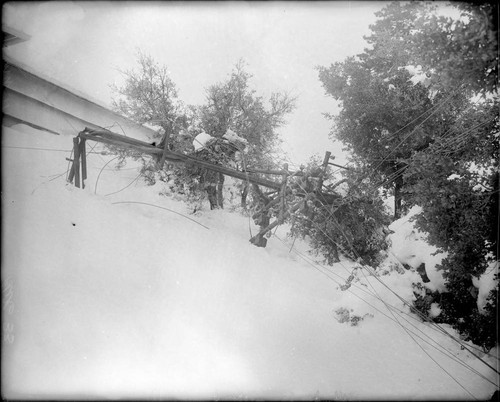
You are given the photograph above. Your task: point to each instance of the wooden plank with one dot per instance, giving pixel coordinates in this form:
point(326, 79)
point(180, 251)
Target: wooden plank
point(83, 156)
point(298, 173)
point(76, 161)
point(71, 174)
point(178, 157)
point(117, 140)
point(89, 135)
point(230, 172)
point(110, 135)
point(264, 171)
point(147, 149)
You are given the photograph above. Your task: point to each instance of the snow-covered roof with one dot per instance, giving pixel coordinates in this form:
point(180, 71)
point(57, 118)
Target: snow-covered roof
point(200, 141)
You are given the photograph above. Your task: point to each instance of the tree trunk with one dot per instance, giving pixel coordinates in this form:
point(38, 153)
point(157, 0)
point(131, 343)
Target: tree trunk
point(260, 240)
point(244, 194)
point(212, 196)
point(397, 199)
point(220, 188)
point(261, 218)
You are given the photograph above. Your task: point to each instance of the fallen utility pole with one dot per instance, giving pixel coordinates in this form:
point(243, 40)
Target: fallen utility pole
point(283, 188)
point(110, 138)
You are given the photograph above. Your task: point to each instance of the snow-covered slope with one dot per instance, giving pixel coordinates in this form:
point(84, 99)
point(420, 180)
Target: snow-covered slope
point(107, 298)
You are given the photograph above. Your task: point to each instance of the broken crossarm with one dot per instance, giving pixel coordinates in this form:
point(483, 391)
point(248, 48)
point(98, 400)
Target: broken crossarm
point(79, 161)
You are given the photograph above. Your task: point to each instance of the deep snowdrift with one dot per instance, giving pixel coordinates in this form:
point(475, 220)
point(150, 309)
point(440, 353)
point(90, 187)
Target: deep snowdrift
point(128, 300)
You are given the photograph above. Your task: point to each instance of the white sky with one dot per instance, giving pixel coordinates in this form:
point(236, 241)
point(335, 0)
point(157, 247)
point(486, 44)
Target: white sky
point(82, 44)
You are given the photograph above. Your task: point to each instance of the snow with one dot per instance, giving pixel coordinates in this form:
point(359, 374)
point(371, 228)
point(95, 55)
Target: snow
point(435, 310)
point(201, 140)
point(482, 171)
point(124, 300)
point(233, 137)
point(155, 127)
point(485, 284)
point(454, 176)
point(418, 76)
point(409, 247)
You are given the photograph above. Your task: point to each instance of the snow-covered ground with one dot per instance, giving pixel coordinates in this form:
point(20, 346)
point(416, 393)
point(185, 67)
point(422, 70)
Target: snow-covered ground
point(106, 298)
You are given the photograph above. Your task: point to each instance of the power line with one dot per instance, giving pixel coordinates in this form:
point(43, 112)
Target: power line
point(127, 186)
point(414, 129)
point(37, 149)
point(157, 206)
point(391, 308)
point(99, 175)
point(420, 346)
point(423, 317)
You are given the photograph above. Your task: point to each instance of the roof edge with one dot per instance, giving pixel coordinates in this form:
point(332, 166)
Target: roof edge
point(20, 65)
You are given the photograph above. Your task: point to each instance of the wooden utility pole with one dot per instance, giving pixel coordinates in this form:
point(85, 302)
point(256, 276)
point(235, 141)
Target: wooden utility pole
point(111, 138)
point(83, 156)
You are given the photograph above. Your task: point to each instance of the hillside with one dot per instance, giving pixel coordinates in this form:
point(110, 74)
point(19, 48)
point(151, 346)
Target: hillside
point(107, 297)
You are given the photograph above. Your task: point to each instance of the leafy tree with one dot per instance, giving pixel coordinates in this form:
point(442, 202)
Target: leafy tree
point(461, 51)
point(150, 96)
point(420, 108)
point(217, 151)
point(233, 105)
point(385, 116)
point(455, 179)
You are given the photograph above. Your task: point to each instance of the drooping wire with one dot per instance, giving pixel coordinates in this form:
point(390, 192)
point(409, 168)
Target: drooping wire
point(36, 149)
point(365, 266)
point(127, 186)
point(157, 206)
point(393, 149)
point(420, 346)
point(432, 109)
point(458, 140)
point(439, 347)
point(102, 169)
point(422, 316)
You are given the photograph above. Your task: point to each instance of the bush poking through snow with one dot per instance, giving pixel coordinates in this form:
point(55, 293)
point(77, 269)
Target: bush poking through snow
point(344, 315)
point(425, 300)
